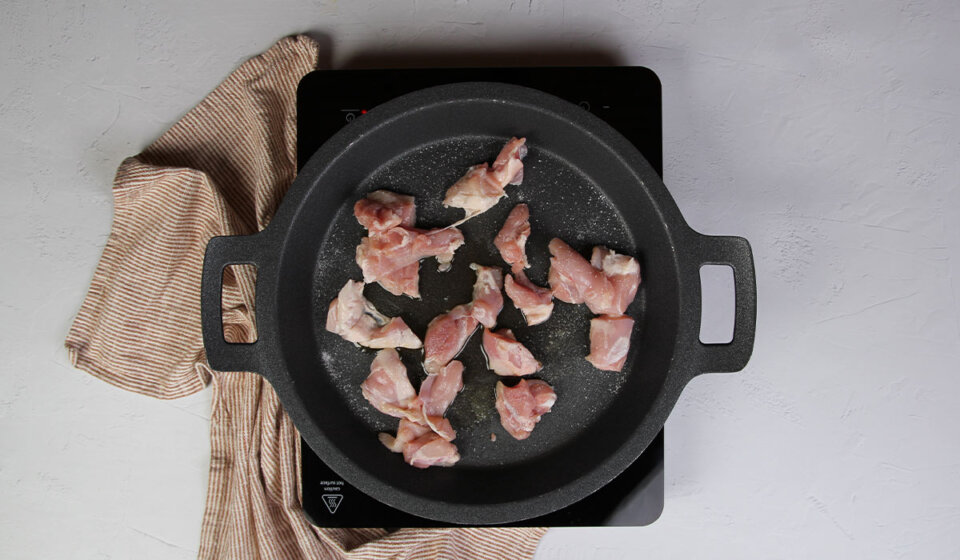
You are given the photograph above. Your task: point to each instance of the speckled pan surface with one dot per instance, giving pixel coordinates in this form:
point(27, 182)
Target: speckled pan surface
point(585, 184)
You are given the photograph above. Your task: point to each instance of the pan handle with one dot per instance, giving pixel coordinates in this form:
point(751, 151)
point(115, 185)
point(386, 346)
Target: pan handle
point(736, 253)
point(221, 252)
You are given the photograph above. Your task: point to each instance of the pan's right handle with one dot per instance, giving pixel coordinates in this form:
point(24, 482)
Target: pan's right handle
point(736, 253)
point(221, 252)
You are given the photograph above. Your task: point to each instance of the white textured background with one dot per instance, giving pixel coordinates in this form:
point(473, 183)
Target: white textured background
point(828, 134)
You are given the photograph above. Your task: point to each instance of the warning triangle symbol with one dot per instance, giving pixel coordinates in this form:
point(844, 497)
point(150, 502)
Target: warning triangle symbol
point(332, 501)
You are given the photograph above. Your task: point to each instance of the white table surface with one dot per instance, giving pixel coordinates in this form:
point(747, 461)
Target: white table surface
point(828, 134)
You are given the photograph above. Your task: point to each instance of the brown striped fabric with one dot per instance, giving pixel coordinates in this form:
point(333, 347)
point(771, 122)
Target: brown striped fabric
point(222, 170)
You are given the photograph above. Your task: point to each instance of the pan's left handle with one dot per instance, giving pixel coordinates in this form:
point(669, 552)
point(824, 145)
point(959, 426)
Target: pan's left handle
point(221, 252)
point(736, 253)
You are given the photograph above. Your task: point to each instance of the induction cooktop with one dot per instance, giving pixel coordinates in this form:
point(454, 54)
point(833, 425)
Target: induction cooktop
point(627, 98)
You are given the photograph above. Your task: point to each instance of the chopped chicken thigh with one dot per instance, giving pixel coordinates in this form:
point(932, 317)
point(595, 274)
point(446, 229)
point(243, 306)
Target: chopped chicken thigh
point(438, 390)
point(544, 397)
point(388, 389)
point(487, 298)
point(436, 393)
point(441, 426)
point(407, 431)
point(446, 336)
point(483, 185)
point(534, 302)
point(511, 241)
point(610, 341)
point(448, 333)
point(419, 434)
point(607, 288)
point(430, 450)
point(382, 210)
point(623, 271)
point(391, 254)
point(357, 320)
point(522, 405)
point(507, 169)
point(402, 281)
point(385, 254)
point(506, 356)
point(571, 277)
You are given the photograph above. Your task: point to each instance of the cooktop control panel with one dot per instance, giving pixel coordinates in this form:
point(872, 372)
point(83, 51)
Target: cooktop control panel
point(628, 98)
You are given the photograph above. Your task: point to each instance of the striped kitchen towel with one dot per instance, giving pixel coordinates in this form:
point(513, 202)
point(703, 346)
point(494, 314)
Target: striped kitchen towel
point(222, 170)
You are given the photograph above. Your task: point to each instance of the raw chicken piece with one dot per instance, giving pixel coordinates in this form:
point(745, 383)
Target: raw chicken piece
point(544, 396)
point(407, 431)
point(606, 292)
point(382, 210)
point(430, 450)
point(446, 336)
point(391, 257)
point(512, 239)
point(482, 186)
point(571, 277)
point(441, 426)
point(522, 405)
point(436, 393)
point(487, 299)
point(448, 333)
point(438, 390)
point(624, 274)
point(420, 446)
point(357, 320)
point(506, 356)
point(507, 169)
point(610, 341)
point(534, 302)
point(388, 389)
point(404, 281)
point(474, 192)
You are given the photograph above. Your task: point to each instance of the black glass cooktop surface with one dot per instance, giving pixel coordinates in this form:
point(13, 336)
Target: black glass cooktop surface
point(629, 99)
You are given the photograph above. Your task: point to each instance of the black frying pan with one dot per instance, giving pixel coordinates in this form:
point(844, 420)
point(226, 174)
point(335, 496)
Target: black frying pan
point(584, 183)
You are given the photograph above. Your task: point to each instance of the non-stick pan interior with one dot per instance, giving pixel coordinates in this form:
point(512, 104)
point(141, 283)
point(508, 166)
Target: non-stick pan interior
point(579, 192)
